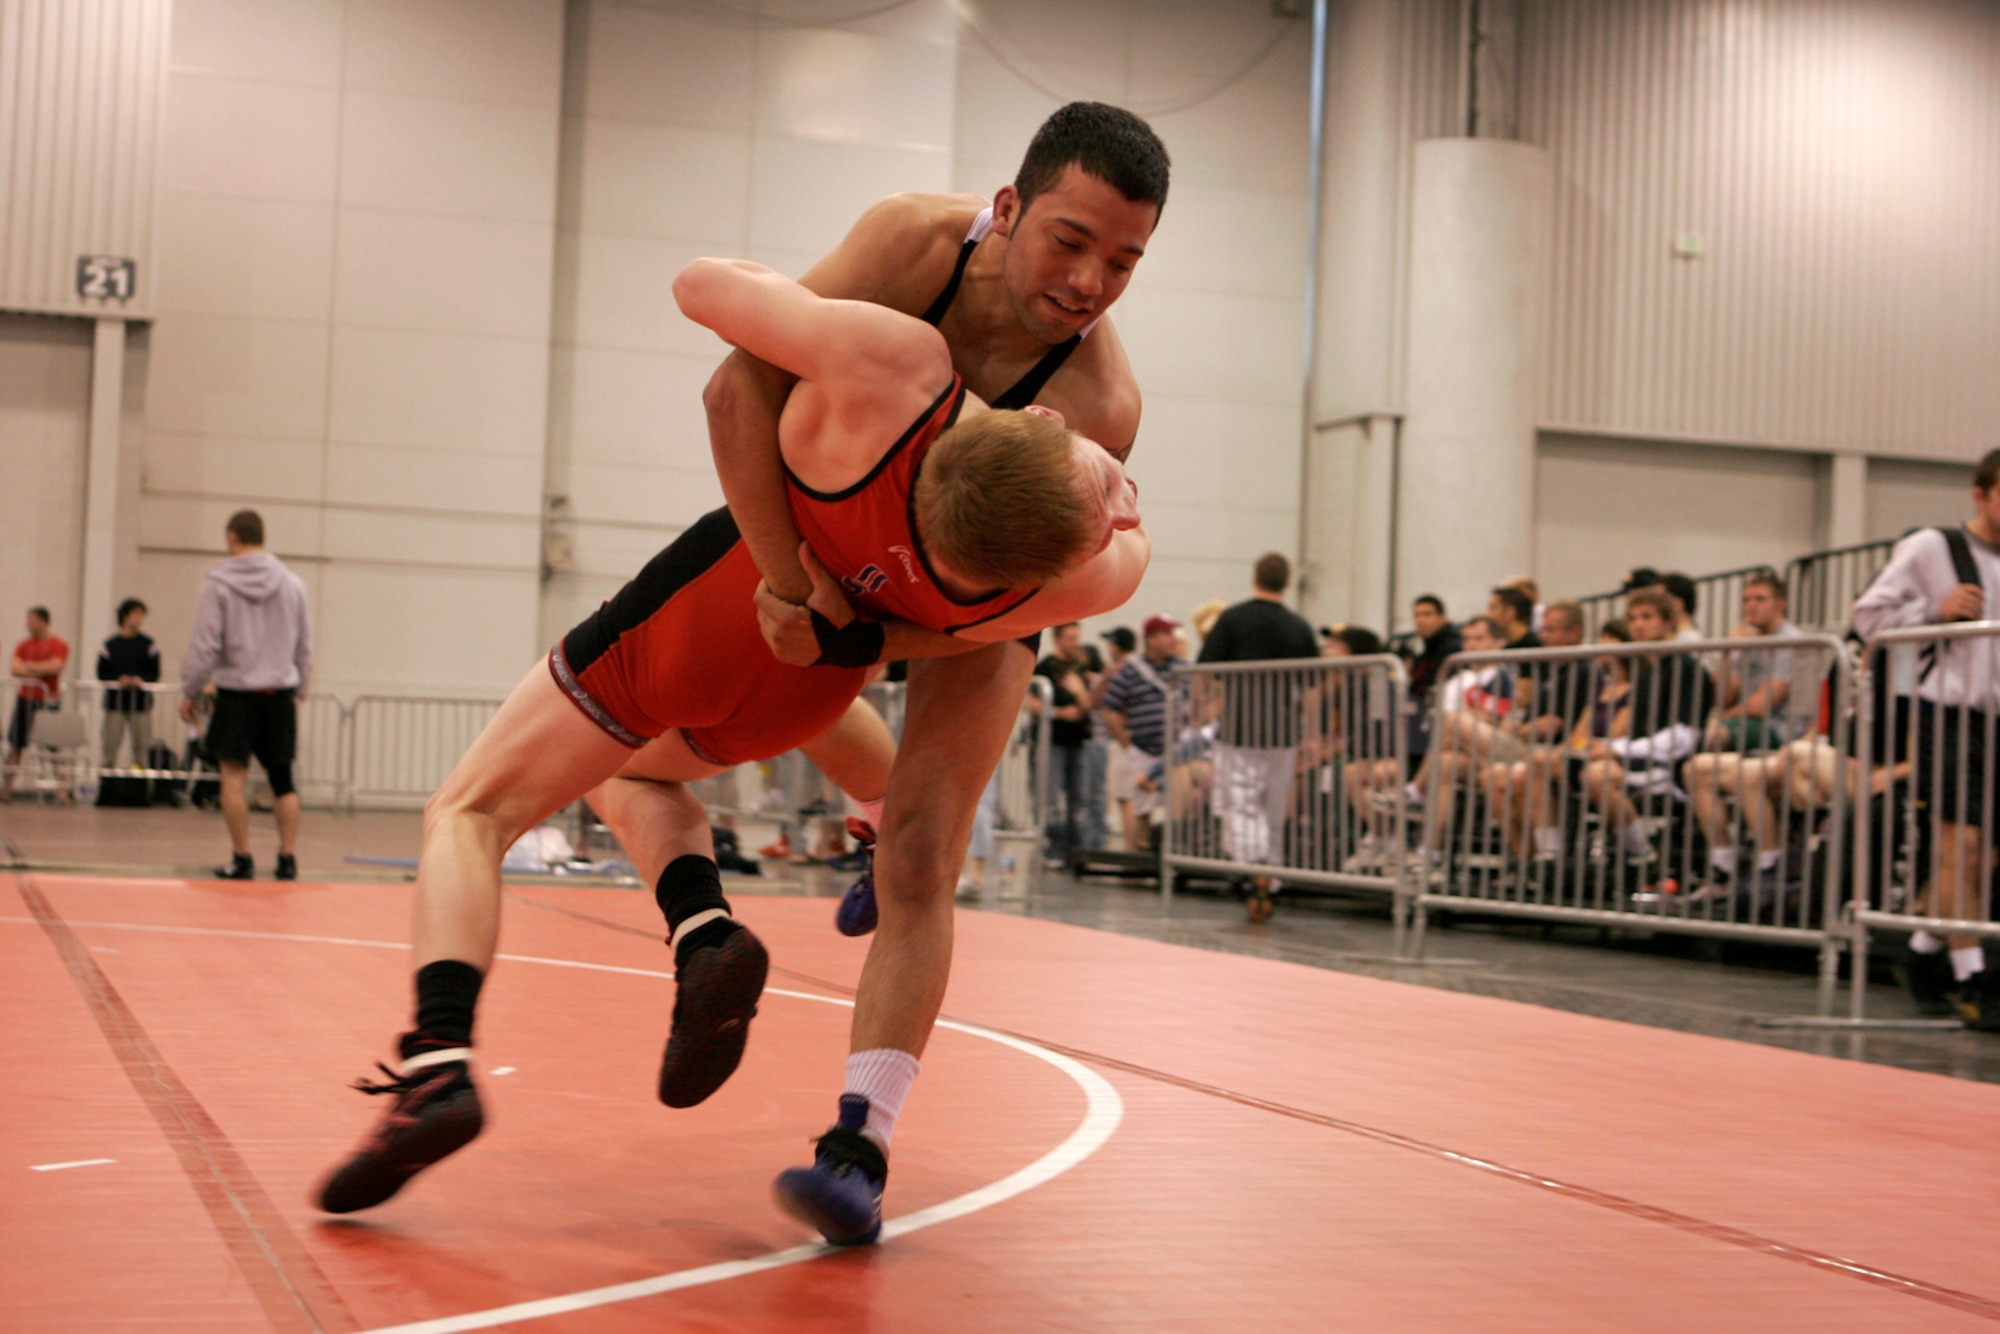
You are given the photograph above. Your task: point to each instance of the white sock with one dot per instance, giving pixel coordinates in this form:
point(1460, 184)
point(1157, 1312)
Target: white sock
point(1767, 860)
point(871, 811)
point(1549, 839)
point(1415, 793)
point(1722, 859)
point(1965, 962)
point(1923, 942)
point(1635, 839)
point(882, 1075)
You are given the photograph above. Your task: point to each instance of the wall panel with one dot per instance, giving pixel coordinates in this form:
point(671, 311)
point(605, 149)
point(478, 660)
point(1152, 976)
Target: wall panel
point(81, 92)
point(1839, 163)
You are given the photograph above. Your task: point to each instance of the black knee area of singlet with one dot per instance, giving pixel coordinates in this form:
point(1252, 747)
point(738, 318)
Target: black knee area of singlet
point(447, 993)
point(688, 886)
point(280, 776)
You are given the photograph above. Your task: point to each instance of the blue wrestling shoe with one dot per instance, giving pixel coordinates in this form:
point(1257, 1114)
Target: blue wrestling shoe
point(856, 914)
point(841, 1193)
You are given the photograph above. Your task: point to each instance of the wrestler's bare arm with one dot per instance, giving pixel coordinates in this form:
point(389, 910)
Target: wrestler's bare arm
point(1102, 584)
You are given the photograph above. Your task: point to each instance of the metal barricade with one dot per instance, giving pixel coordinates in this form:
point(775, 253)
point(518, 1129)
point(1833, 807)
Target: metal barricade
point(1017, 795)
point(400, 748)
point(1925, 858)
point(1271, 769)
point(1599, 608)
point(1634, 788)
point(1821, 588)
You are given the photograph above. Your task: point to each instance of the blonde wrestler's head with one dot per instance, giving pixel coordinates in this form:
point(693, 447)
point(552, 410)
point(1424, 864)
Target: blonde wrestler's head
point(1013, 499)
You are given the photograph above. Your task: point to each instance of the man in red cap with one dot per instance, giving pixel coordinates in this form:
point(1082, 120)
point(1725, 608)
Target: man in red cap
point(1135, 707)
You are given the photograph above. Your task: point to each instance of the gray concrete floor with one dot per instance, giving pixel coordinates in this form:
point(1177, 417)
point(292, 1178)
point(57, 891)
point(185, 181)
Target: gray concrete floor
point(1666, 981)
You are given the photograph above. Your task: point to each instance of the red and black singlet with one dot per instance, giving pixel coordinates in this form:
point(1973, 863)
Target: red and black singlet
point(866, 535)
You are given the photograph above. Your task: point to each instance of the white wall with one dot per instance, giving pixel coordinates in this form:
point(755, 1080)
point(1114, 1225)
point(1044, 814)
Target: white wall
point(1604, 506)
point(1903, 494)
point(689, 130)
point(358, 231)
point(1213, 319)
point(44, 441)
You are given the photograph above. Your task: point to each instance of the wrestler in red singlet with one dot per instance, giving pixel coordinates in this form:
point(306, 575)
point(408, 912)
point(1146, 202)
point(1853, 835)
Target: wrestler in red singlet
point(679, 646)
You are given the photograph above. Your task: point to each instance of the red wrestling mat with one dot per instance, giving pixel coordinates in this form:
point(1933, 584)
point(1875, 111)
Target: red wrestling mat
point(1144, 1137)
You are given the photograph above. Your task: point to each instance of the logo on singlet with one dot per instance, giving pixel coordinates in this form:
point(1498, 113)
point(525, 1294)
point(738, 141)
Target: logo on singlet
point(905, 555)
point(869, 580)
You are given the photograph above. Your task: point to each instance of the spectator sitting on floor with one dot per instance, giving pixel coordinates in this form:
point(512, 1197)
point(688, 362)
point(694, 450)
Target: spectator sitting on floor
point(1671, 699)
point(132, 660)
point(38, 665)
point(1528, 797)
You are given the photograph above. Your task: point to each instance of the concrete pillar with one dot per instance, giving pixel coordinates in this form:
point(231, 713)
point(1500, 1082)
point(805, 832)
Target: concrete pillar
point(1346, 513)
point(1479, 258)
point(101, 479)
point(1847, 501)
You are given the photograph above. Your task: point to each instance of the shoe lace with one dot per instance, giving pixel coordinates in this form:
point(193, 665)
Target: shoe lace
point(846, 1151)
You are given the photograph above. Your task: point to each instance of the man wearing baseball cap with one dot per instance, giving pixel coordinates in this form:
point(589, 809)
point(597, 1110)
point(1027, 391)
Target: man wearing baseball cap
point(1135, 708)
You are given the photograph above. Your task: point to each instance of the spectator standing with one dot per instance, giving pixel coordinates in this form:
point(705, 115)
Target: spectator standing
point(1068, 672)
point(1956, 697)
point(252, 641)
point(132, 660)
point(1257, 736)
point(1135, 707)
point(1120, 643)
point(38, 665)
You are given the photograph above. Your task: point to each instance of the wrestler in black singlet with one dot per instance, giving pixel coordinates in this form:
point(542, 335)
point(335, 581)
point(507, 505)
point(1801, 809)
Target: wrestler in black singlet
point(1024, 389)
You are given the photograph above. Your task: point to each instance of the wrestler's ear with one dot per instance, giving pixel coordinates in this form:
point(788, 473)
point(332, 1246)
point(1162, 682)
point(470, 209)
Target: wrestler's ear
point(1050, 413)
point(1006, 209)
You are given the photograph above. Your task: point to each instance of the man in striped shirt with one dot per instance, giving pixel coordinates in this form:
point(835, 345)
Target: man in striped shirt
point(1135, 708)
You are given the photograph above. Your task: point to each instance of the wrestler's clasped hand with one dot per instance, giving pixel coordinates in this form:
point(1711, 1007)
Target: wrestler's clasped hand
point(787, 626)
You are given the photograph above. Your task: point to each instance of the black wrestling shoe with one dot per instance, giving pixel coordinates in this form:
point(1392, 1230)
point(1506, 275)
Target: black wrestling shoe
point(1930, 980)
point(715, 996)
point(240, 868)
point(1979, 1001)
point(436, 1113)
point(288, 867)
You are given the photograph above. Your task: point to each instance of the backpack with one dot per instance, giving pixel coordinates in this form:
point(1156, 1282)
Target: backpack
point(1967, 570)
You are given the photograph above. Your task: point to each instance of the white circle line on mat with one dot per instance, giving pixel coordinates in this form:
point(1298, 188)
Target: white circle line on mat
point(1103, 1111)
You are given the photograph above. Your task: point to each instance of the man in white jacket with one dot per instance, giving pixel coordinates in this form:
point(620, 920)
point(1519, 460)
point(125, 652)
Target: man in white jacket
point(252, 640)
point(1958, 699)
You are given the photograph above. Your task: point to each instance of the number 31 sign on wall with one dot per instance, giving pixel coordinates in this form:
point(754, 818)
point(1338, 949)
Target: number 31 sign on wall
point(106, 278)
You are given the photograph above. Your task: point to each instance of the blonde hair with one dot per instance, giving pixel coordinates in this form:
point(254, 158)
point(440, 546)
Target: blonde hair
point(1203, 617)
point(999, 502)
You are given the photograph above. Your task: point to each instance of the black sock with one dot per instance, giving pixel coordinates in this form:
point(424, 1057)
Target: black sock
point(688, 886)
point(447, 991)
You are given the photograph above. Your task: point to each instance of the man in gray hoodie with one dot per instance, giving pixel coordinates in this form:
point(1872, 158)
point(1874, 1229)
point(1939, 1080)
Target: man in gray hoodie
point(252, 640)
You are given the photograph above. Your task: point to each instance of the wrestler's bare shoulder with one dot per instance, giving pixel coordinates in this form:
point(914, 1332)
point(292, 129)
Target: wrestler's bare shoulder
point(900, 253)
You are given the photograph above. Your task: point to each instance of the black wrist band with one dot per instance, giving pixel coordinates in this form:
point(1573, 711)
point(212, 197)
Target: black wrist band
point(857, 644)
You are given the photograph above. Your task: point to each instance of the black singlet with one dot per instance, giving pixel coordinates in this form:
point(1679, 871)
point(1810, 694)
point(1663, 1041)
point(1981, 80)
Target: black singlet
point(1023, 391)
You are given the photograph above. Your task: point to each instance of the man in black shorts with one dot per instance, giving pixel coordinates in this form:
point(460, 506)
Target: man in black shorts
point(252, 641)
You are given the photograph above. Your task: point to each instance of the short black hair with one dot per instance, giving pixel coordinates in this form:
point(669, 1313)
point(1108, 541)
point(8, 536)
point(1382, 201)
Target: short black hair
point(1273, 573)
point(1437, 603)
point(1517, 602)
point(1681, 588)
point(247, 527)
point(128, 606)
point(41, 612)
point(1360, 640)
point(1988, 471)
point(1108, 142)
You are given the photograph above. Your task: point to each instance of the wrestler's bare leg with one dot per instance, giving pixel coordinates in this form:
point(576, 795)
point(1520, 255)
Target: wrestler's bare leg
point(959, 716)
point(857, 752)
point(650, 810)
point(538, 754)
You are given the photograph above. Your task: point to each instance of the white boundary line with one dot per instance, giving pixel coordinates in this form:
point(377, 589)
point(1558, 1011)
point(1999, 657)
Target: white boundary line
point(1104, 1110)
